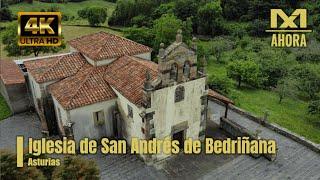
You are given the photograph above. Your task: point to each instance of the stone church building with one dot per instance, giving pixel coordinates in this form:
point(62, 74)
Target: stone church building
point(107, 86)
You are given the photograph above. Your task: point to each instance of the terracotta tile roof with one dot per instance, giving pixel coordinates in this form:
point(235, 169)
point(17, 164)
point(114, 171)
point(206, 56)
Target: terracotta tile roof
point(216, 95)
point(127, 75)
point(53, 68)
point(10, 73)
point(102, 45)
point(86, 87)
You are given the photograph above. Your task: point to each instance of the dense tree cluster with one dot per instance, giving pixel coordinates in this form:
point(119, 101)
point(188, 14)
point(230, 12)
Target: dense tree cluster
point(72, 167)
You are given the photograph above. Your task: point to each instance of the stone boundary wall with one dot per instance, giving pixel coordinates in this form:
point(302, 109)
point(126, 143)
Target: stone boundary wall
point(283, 131)
point(236, 130)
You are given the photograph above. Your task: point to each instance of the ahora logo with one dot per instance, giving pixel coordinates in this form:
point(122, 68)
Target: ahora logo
point(291, 33)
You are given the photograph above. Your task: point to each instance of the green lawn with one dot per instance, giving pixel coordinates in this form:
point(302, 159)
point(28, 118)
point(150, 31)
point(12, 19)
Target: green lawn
point(4, 109)
point(70, 8)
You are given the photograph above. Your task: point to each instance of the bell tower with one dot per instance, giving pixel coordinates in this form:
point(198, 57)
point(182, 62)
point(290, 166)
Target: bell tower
point(178, 62)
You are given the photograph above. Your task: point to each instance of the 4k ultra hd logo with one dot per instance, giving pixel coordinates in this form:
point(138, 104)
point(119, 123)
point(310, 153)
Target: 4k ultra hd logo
point(291, 31)
point(39, 28)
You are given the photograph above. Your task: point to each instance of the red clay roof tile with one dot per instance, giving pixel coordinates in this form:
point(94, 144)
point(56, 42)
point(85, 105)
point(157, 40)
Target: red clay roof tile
point(86, 87)
point(127, 75)
point(10, 73)
point(54, 68)
point(102, 45)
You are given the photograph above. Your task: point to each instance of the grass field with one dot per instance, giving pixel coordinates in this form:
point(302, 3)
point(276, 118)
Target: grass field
point(291, 113)
point(70, 8)
point(4, 109)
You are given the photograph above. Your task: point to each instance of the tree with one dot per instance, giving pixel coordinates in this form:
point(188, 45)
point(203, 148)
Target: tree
point(244, 71)
point(10, 40)
point(234, 9)
point(95, 15)
point(74, 167)
point(222, 84)
point(184, 9)
point(127, 9)
point(274, 65)
point(286, 87)
point(165, 29)
point(142, 35)
point(163, 9)
point(308, 77)
point(5, 14)
point(9, 170)
point(210, 18)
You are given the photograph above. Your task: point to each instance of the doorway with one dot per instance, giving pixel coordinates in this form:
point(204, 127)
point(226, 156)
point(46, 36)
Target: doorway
point(179, 136)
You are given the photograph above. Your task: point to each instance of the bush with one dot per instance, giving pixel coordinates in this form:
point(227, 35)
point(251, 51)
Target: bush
point(245, 71)
point(83, 13)
point(141, 20)
point(308, 57)
point(95, 15)
point(210, 20)
point(143, 35)
point(222, 84)
point(5, 14)
point(74, 167)
point(258, 27)
point(9, 170)
point(163, 9)
point(234, 9)
point(314, 107)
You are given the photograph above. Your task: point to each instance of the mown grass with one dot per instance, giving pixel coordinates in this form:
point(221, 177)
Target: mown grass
point(69, 8)
point(4, 109)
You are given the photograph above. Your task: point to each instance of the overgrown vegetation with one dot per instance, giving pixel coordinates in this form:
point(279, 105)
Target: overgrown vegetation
point(72, 167)
point(241, 63)
point(4, 109)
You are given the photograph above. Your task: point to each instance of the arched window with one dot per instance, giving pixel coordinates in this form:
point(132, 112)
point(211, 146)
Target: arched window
point(179, 94)
point(186, 69)
point(174, 72)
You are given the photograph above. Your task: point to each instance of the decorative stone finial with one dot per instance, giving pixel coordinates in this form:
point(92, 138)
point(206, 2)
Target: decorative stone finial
point(179, 36)
point(161, 50)
point(147, 83)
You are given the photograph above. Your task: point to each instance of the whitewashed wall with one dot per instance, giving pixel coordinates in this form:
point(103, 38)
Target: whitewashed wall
point(146, 56)
point(131, 127)
point(168, 113)
point(83, 120)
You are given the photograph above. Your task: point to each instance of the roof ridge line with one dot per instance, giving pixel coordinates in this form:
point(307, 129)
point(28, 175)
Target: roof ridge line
point(133, 58)
point(76, 92)
point(51, 66)
point(130, 40)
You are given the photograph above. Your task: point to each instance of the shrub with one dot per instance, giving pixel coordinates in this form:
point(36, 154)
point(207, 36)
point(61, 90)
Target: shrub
point(95, 15)
point(258, 27)
point(222, 84)
point(5, 14)
point(245, 71)
point(74, 167)
point(140, 35)
point(9, 170)
point(141, 20)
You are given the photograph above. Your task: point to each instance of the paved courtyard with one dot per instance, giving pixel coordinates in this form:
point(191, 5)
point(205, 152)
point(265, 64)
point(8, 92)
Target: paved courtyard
point(294, 161)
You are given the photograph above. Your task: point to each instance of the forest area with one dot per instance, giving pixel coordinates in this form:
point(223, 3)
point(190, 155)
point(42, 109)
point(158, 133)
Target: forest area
point(280, 83)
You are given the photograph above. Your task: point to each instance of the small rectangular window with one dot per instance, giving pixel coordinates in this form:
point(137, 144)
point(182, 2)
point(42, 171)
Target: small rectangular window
point(59, 114)
point(98, 118)
point(130, 111)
